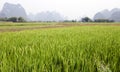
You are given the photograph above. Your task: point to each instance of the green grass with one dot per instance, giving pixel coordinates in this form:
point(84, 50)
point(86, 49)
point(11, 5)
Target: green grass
point(17, 25)
point(73, 49)
point(25, 23)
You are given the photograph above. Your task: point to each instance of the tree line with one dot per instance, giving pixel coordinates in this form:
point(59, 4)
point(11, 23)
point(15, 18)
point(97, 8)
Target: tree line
point(13, 19)
point(87, 19)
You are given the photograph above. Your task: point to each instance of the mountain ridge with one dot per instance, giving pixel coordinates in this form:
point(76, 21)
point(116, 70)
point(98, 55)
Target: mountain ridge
point(16, 10)
point(113, 14)
point(13, 10)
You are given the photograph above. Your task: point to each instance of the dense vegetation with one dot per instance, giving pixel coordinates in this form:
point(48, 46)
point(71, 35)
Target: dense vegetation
point(74, 49)
point(13, 19)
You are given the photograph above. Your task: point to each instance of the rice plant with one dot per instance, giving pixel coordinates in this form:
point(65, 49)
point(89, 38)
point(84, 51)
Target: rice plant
point(73, 49)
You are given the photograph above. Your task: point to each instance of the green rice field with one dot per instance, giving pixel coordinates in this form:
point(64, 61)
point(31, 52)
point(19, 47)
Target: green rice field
point(68, 49)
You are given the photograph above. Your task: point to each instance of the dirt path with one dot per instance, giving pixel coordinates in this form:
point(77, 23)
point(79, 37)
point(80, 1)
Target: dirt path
point(52, 26)
point(30, 28)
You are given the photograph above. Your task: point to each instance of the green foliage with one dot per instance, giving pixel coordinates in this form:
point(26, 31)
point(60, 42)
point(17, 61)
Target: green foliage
point(86, 19)
point(3, 19)
point(69, 21)
point(20, 19)
point(103, 20)
point(13, 19)
point(75, 49)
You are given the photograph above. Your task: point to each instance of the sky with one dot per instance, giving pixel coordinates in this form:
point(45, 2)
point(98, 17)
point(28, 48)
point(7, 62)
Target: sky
point(71, 8)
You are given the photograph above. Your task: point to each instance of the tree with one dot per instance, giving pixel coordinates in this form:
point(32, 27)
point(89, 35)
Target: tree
point(73, 21)
point(13, 19)
point(21, 19)
point(3, 19)
point(86, 19)
point(103, 20)
point(70, 21)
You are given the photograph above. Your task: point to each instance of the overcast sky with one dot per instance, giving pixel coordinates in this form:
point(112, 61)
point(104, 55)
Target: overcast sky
point(70, 8)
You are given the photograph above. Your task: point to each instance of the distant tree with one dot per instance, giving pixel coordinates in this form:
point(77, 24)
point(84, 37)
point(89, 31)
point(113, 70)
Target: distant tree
point(66, 21)
point(73, 21)
point(103, 20)
point(3, 19)
point(69, 21)
point(21, 19)
point(86, 19)
point(13, 19)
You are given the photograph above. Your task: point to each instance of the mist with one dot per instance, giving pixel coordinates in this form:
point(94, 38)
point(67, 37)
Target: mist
point(73, 9)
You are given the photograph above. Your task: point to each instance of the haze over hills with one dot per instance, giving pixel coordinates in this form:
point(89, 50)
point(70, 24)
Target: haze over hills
point(13, 10)
point(46, 16)
point(16, 10)
point(114, 14)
